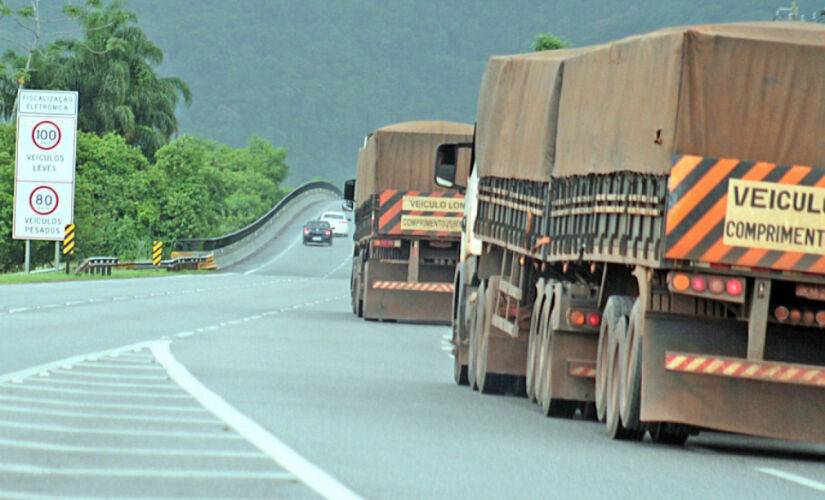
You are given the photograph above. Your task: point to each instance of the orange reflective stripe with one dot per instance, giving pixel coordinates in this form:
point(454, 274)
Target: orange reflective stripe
point(697, 193)
point(682, 169)
point(699, 230)
point(788, 260)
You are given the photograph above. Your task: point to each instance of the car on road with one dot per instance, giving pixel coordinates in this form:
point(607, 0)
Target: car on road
point(317, 231)
point(338, 221)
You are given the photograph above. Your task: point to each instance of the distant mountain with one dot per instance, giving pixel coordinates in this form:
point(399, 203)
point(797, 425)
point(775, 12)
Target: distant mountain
point(316, 76)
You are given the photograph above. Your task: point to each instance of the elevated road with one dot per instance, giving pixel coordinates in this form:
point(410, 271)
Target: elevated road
point(258, 382)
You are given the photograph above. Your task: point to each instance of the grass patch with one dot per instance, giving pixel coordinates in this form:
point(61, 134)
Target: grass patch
point(10, 279)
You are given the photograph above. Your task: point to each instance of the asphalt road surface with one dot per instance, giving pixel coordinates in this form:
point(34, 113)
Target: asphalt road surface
point(258, 382)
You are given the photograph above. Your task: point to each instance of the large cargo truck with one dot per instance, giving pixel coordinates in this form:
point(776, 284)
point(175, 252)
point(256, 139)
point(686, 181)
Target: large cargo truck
point(645, 234)
point(407, 229)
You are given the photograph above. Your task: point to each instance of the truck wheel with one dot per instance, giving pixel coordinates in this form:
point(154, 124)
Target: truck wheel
point(667, 433)
point(533, 341)
point(459, 333)
point(615, 428)
point(476, 319)
point(631, 358)
point(617, 306)
point(550, 406)
point(488, 383)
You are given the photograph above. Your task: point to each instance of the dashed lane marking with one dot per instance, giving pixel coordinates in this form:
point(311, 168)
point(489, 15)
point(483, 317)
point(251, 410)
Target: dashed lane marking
point(83, 414)
point(787, 476)
point(67, 390)
point(87, 383)
point(67, 429)
point(169, 452)
point(109, 406)
point(146, 473)
point(274, 259)
point(308, 473)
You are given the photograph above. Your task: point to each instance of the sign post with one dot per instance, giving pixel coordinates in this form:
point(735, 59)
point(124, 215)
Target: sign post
point(45, 164)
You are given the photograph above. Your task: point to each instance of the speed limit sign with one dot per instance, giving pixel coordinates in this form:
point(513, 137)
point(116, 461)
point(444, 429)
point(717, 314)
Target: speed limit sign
point(44, 200)
point(46, 135)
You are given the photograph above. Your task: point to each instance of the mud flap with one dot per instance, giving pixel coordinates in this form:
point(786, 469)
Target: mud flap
point(757, 407)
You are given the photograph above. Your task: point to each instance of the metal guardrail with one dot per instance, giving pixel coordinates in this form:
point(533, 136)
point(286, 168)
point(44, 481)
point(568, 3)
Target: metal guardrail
point(97, 265)
point(206, 244)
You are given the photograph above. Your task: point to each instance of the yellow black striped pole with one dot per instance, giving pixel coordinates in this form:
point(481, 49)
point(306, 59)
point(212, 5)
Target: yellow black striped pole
point(68, 244)
point(157, 251)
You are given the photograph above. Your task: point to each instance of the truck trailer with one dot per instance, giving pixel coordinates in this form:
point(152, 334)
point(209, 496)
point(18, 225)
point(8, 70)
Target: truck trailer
point(407, 229)
point(645, 232)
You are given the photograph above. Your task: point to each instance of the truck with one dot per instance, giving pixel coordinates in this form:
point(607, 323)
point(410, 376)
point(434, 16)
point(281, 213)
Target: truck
point(645, 232)
point(407, 229)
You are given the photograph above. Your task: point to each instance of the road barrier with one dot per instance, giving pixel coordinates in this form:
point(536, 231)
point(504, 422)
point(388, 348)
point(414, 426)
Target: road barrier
point(97, 265)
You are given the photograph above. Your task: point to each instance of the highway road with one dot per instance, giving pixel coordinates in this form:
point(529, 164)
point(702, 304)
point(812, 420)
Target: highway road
point(258, 382)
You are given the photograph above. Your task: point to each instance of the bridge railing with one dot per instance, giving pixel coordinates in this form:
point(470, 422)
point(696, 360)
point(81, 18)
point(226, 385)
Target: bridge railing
point(207, 244)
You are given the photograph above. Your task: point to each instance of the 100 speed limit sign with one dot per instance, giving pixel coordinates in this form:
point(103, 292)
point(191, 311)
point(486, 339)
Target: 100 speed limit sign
point(46, 135)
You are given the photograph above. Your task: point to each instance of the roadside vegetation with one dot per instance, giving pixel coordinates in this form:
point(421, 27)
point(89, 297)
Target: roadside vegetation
point(136, 180)
point(47, 277)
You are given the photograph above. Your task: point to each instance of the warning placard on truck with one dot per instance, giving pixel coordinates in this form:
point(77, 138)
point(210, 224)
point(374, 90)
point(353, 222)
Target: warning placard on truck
point(433, 204)
point(416, 213)
point(427, 223)
point(775, 216)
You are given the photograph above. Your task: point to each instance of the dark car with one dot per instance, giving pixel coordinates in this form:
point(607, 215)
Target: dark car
point(317, 231)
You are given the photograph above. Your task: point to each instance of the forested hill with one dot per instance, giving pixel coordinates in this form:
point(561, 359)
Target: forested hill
point(315, 76)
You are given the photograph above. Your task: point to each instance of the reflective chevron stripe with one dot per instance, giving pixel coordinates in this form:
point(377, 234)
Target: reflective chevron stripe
point(742, 368)
point(414, 287)
point(770, 221)
point(418, 213)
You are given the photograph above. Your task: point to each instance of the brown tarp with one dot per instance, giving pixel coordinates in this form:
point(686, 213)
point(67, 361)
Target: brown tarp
point(401, 156)
point(751, 91)
point(517, 113)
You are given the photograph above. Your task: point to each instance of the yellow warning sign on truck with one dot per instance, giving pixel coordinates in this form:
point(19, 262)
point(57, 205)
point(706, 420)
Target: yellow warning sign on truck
point(775, 216)
point(429, 223)
point(433, 204)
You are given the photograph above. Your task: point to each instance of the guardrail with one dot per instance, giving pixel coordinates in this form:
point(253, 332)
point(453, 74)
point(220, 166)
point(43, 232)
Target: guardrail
point(97, 265)
point(206, 244)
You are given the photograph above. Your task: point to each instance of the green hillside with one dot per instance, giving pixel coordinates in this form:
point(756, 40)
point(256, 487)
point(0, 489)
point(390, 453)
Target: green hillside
point(315, 76)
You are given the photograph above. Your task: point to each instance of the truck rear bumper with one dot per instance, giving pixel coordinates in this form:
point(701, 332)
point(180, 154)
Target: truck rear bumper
point(696, 373)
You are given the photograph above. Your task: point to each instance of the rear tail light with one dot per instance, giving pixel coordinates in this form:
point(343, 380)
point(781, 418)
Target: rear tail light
point(808, 318)
point(820, 318)
point(698, 284)
point(329, 232)
point(734, 286)
point(781, 313)
point(387, 243)
point(795, 316)
point(306, 230)
point(577, 318)
point(594, 319)
point(681, 282)
point(716, 285)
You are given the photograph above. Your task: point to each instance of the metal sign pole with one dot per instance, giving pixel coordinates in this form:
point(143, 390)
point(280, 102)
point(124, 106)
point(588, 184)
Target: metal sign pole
point(57, 255)
point(28, 256)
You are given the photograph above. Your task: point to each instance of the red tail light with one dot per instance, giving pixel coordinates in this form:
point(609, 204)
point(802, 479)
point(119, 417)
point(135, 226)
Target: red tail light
point(698, 284)
point(306, 230)
point(781, 313)
point(593, 319)
point(808, 318)
point(716, 285)
point(796, 316)
point(329, 232)
point(820, 318)
point(734, 286)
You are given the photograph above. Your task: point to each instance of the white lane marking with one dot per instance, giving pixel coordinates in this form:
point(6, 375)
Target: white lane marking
point(309, 474)
point(28, 372)
point(62, 381)
point(274, 259)
point(19, 309)
point(63, 448)
point(122, 366)
point(84, 414)
point(148, 473)
point(30, 386)
point(787, 476)
point(184, 334)
point(342, 264)
point(109, 406)
point(66, 429)
point(81, 373)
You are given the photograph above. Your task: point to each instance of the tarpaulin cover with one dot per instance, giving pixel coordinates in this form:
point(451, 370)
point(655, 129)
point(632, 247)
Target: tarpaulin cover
point(517, 114)
point(751, 91)
point(401, 156)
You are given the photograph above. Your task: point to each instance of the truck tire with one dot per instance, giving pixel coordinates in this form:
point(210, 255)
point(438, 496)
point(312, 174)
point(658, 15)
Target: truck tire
point(533, 341)
point(631, 360)
point(550, 406)
point(459, 331)
point(488, 383)
point(668, 433)
point(615, 428)
point(617, 306)
point(476, 319)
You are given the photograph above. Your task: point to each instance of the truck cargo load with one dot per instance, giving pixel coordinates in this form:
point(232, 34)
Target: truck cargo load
point(645, 233)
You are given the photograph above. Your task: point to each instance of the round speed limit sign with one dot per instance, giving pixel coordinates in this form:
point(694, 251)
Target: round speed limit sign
point(46, 135)
point(43, 200)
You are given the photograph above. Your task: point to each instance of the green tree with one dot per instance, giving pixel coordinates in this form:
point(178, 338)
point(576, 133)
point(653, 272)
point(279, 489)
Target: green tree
point(113, 69)
point(549, 41)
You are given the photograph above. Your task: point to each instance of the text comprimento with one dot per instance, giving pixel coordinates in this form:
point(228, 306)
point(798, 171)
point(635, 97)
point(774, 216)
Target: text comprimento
point(427, 223)
point(775, 216)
